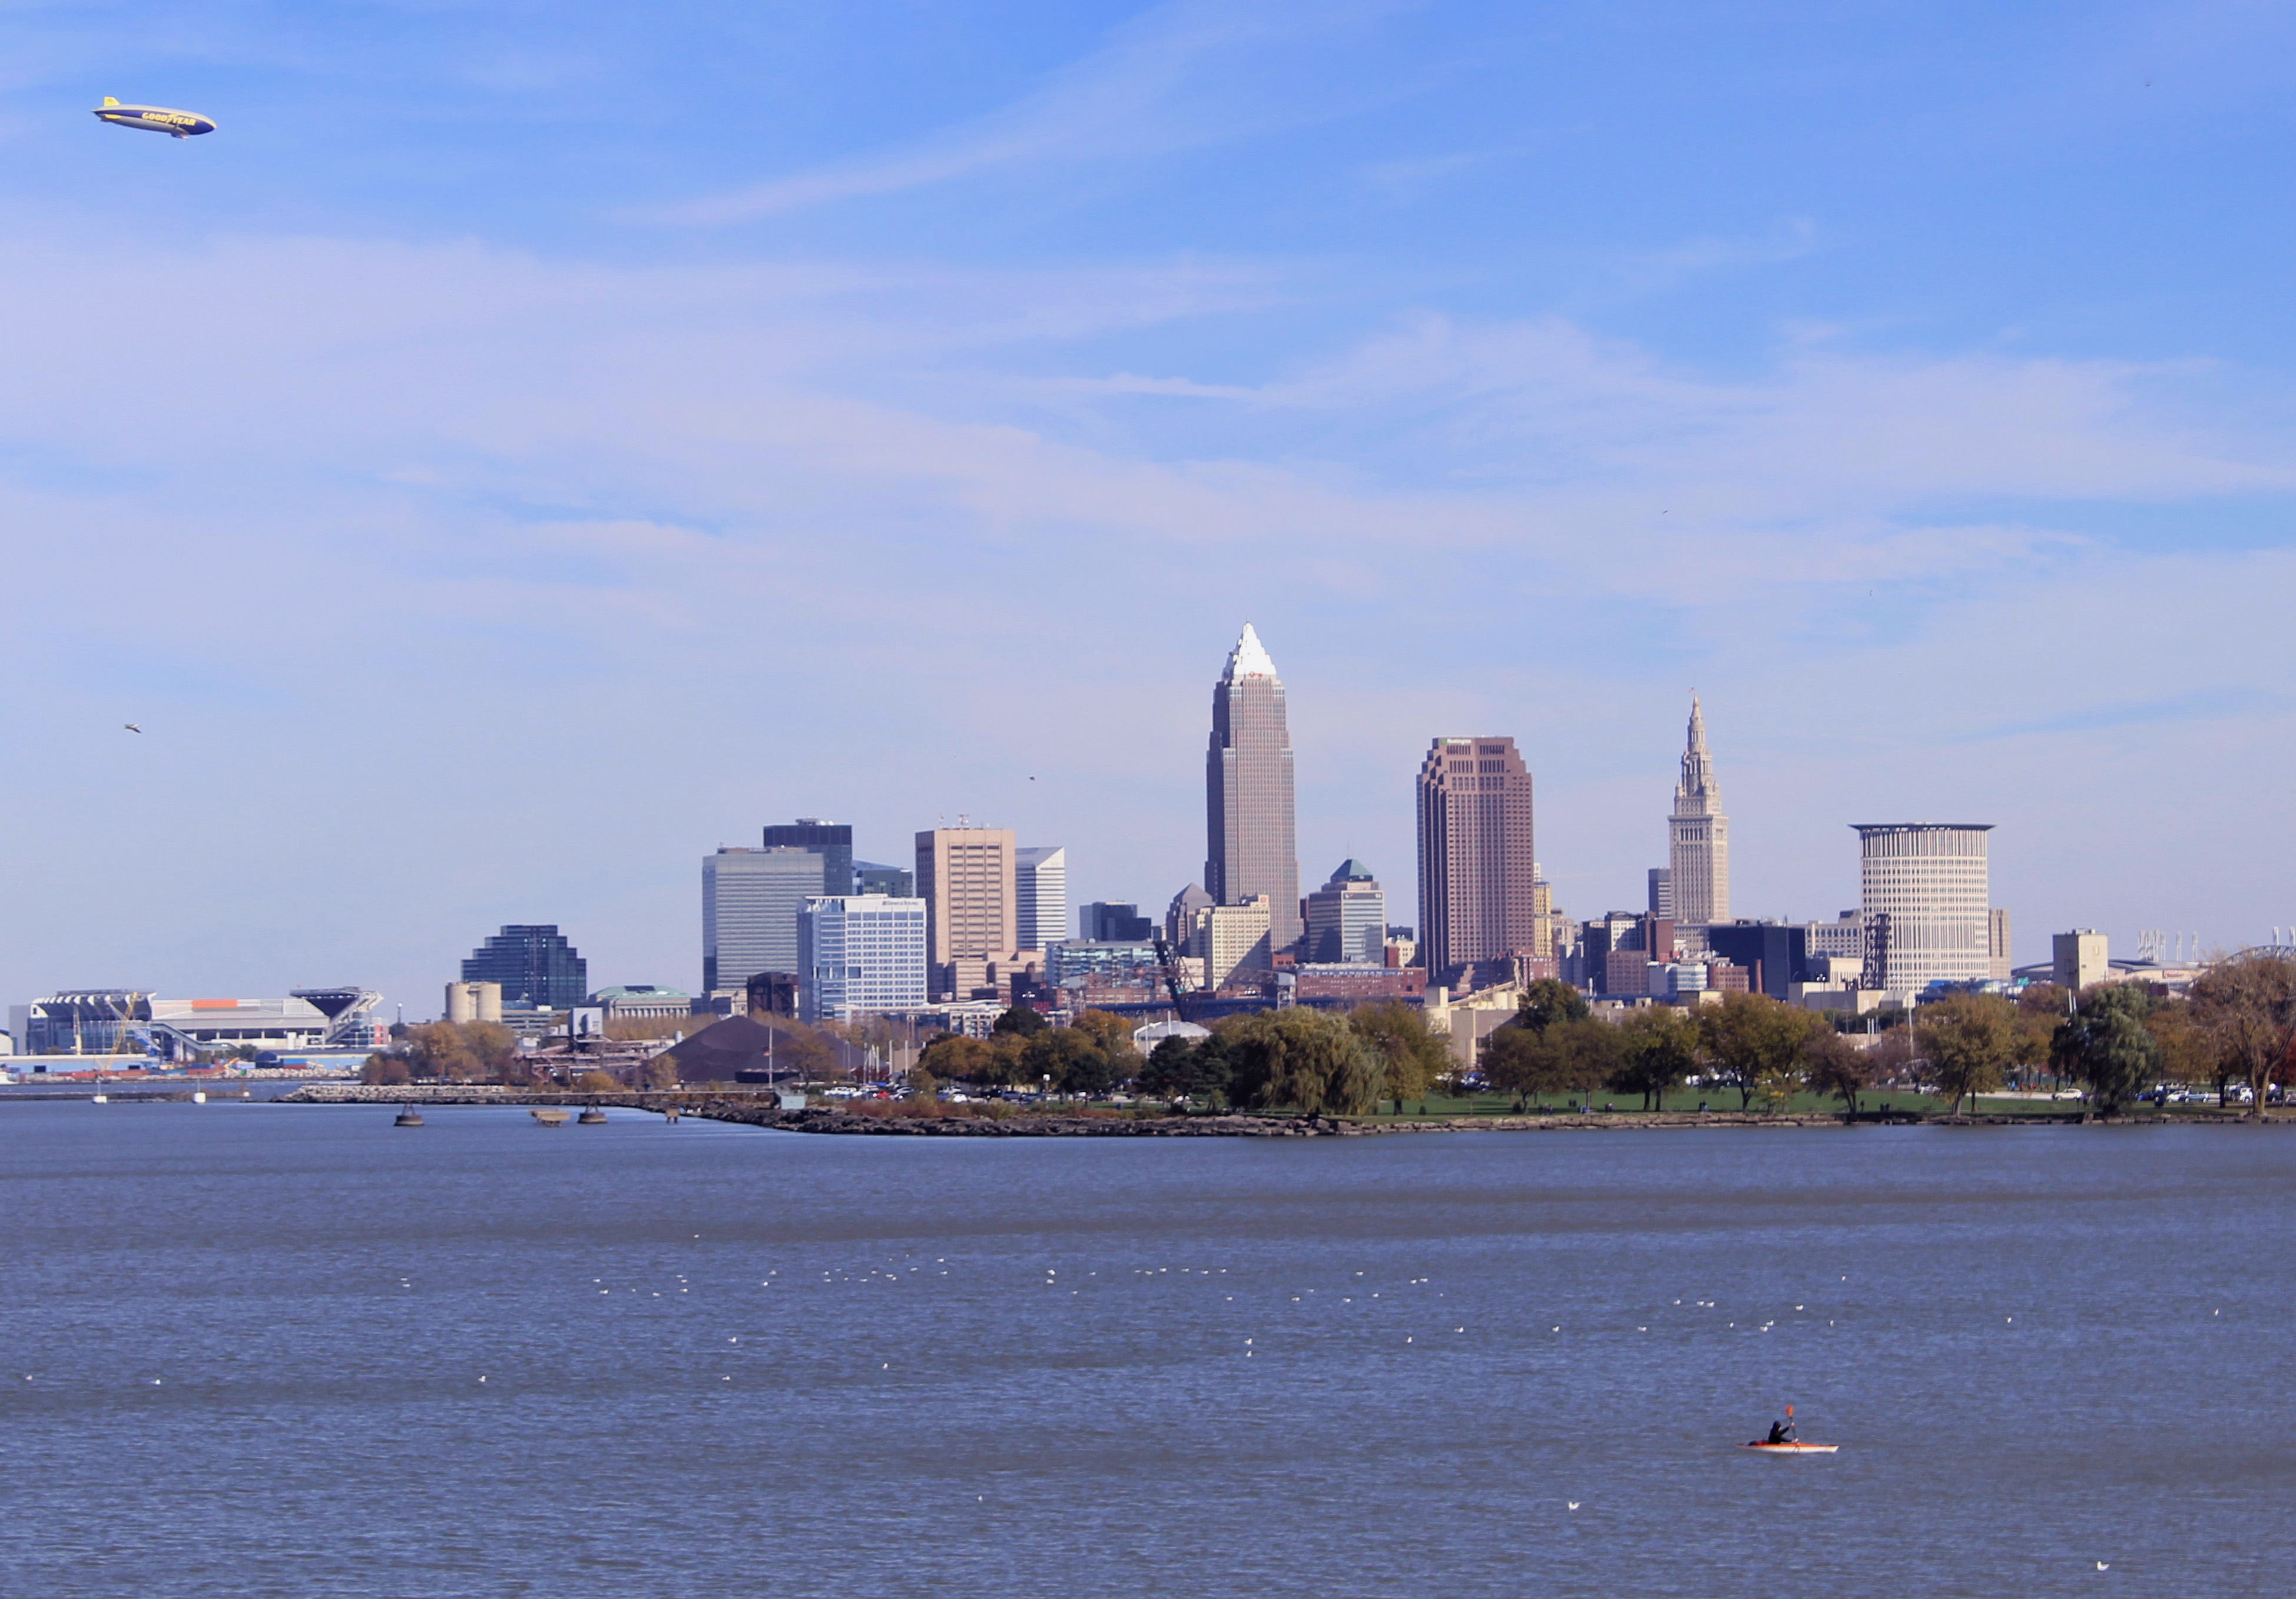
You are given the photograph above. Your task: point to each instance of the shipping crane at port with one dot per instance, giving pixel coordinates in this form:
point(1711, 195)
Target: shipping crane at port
point(1164, 958)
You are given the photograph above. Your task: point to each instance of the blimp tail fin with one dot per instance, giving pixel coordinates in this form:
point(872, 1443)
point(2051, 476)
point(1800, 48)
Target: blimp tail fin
point(108, 99)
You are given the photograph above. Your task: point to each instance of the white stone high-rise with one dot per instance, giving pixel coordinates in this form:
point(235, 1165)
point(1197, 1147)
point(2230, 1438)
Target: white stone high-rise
point(1698, 836)
point(1040, 891)
point(1925, 903)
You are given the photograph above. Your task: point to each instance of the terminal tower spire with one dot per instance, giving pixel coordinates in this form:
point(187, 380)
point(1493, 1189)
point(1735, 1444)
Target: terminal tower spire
point(1698, 847)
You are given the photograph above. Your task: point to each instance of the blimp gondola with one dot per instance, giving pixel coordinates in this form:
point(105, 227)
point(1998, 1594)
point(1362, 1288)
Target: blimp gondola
point(155, 118)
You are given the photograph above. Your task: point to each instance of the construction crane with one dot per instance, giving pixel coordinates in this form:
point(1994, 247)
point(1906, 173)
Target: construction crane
point(1172, 978)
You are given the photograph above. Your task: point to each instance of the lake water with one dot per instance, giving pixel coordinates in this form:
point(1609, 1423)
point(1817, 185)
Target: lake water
point(265, 1350)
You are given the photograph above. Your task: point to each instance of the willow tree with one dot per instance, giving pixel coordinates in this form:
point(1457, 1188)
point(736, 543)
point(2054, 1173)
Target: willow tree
point(2105, 1045)
point(1310, 1060)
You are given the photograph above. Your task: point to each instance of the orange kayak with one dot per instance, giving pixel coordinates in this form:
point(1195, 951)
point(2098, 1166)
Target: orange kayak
point(1792, 1448)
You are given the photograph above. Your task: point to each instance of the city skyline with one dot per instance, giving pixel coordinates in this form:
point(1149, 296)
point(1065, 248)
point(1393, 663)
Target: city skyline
point(1135, 321)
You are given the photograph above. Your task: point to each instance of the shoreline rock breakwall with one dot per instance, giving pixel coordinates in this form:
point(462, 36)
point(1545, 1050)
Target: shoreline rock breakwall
point(753, 1110)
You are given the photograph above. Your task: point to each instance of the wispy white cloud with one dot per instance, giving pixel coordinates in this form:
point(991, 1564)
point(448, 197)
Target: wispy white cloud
point(414, 489)
point(1176, 78)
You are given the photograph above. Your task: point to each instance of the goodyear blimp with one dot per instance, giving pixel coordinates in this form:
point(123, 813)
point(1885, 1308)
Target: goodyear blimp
point(156, 119)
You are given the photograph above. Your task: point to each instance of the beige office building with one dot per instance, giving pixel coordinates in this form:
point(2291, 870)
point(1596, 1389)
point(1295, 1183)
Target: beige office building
point(1477, 873)
point(1233, 941)
point(2081, 958)
point(966, 876)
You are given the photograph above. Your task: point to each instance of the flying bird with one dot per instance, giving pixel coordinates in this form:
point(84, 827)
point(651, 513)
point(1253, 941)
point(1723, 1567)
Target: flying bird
point(131, 726)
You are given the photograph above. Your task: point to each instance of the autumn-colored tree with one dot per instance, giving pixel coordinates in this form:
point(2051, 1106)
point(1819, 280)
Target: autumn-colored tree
point(1658, 1048)
point(805, 1053)
point(2247, 1008)
point(385, 1070)
point(1832, 1064)
point(1970, 1041)
point(2189, 1052)
point(1574, 1056)
point(1111, 1035)
point(1756, 1043)
point(954, 1058)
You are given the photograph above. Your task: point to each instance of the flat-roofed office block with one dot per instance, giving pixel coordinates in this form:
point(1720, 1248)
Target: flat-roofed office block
point(749, 904)
point(967, 877)
point(1477, 871)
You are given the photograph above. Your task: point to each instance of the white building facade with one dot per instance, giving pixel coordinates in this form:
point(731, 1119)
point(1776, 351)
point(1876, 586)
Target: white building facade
point(1040, 891)
point(859, 954)
point(1924, 904)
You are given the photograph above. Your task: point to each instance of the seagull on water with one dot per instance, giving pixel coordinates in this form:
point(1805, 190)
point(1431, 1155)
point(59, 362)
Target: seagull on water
point(1573, 1504)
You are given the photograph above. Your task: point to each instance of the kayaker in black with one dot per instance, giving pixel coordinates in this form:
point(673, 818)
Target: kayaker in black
point(1781, 1432)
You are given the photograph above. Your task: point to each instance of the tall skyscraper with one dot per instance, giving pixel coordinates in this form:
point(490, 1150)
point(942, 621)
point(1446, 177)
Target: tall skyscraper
point(1347, 918)
point(749, 904)
point(834, 840)
point(1476, 871)
point(860, 955)
point(1040, 887)
point(1249, 848)
point(1698, 865)
point(533, 965)
point(966, 877)
point(1926, 904)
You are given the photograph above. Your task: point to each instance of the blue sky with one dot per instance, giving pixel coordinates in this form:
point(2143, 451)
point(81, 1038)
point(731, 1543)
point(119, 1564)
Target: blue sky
point(527, 446)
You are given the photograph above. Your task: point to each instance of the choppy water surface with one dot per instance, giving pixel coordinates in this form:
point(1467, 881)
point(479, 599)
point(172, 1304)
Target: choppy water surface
point(264, 1349)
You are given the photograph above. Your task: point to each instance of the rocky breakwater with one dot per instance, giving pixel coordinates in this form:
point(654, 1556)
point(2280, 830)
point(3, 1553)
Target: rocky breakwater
point(407, 1094)
point(1033, 1125)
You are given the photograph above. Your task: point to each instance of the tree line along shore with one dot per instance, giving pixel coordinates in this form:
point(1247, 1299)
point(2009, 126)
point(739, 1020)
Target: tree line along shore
point(2100, 1053)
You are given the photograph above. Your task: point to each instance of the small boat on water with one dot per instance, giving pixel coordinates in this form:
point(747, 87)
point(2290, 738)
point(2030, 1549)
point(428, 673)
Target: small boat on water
point(407, 1117)
point(103, 1099)
point(550, 1116)
point(593, 1117)
point(1783, 1440)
